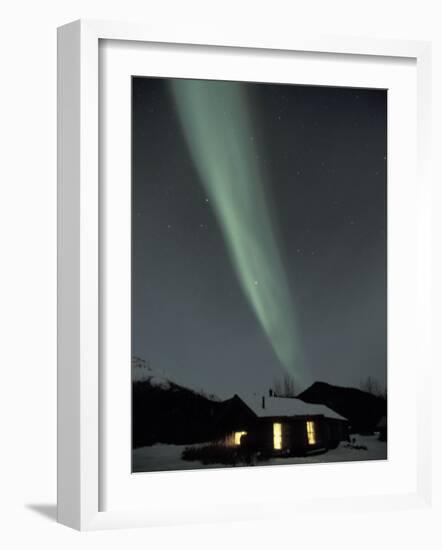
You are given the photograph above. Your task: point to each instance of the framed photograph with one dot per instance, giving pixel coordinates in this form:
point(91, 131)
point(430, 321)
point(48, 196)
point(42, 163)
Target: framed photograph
point(243, 276)
point(259, 273)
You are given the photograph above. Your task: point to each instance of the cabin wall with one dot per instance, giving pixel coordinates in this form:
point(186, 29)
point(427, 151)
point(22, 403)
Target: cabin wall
point(337, 431)
point(300, 443)
point(327, 432)
point(294, 437)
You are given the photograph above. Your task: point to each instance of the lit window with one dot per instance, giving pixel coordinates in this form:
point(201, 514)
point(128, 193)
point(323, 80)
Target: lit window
point(238, 436)
point(311, 434)
point(277, 436)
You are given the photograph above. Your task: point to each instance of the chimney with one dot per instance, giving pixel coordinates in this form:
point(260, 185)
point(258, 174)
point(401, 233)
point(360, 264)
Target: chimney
point(263, 402)
point(270, 392)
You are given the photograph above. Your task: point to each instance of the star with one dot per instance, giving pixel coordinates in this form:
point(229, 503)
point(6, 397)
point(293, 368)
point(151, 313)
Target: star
point(206, 199)
point(256, 283)
point(169, 226)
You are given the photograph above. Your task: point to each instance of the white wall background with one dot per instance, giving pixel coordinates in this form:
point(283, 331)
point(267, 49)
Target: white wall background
point(28, 266)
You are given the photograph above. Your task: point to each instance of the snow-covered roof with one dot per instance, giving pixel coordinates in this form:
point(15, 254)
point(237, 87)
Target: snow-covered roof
point(286, 406)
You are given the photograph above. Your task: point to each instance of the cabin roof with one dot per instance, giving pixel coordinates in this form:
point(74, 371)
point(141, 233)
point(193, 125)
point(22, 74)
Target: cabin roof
point(286, 406)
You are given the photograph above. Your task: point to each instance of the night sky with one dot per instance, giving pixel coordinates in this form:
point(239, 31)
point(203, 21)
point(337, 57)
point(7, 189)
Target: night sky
point(321, 157)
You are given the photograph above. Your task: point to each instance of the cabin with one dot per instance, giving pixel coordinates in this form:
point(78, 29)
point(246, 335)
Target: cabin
point(286, 426)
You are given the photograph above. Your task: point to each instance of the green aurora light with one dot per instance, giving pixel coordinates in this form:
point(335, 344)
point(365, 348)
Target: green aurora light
point(216, 121)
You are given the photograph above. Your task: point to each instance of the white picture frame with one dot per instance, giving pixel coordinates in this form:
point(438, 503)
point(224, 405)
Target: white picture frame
point(79, 266)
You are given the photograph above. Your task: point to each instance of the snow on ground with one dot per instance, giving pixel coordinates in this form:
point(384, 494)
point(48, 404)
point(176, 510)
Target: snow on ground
point(345, 452)
point(165, 457)
point(168, 457)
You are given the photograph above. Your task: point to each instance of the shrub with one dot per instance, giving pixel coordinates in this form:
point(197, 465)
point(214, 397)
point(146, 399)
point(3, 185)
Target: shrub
point(214, 453)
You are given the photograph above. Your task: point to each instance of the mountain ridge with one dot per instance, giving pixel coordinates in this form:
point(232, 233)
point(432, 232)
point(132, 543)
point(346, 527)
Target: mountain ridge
point(363, 410)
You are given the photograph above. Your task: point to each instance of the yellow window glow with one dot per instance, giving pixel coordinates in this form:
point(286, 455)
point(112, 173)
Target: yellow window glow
point(311, 434)
point(277, 436)
point(238, 436)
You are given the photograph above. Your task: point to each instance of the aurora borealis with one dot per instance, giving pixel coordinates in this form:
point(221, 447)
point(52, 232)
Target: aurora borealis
point(259, 233)
point(216, 122)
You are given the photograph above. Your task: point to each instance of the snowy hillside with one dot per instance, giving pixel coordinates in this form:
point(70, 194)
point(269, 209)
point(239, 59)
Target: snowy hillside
point(166, 412)
point(142, 371)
